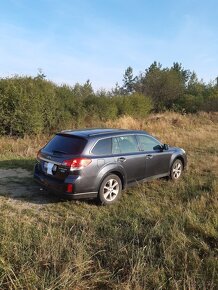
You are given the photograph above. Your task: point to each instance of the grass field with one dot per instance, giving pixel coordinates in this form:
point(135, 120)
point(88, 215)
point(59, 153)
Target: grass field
point(161, 235)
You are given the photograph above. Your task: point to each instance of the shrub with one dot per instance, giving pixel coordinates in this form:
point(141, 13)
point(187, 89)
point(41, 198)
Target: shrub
point(135, 105)
point(211, 103)
point(189, 103)
point(103, 108)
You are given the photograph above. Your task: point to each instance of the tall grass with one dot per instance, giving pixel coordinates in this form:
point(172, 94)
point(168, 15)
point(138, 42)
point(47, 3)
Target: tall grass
point(161, 235)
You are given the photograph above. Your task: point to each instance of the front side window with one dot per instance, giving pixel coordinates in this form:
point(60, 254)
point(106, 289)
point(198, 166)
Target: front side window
point(127, 144)
point(147, 143)
point(102, 147)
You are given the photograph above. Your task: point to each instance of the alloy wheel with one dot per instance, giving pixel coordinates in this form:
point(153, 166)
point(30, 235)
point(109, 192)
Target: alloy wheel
point(177, 169)
point(111, 189)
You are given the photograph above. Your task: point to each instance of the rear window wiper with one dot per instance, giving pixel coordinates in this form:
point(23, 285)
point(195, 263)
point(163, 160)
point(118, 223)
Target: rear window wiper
point(58, 151)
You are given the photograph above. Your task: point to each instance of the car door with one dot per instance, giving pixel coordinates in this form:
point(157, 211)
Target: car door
point(128, 155)
point(157, 160)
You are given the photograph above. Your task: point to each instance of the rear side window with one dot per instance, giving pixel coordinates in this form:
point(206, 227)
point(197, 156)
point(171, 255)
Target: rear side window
point(148, 143)
point(115, 146)
point(103, 147)
point(65, 144)
point(127, 144)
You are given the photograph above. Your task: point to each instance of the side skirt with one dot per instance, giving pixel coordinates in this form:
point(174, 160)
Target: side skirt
point(147, 179)
point(81, 195)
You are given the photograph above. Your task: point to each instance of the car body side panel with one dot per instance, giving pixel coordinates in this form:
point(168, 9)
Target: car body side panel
point(133, 165)
point(111, 168)
point(158, 162)
point(90, 177)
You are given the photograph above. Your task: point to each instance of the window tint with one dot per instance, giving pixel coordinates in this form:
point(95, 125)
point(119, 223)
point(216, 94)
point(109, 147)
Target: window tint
point(148, 143)
point(65, 144)
point(127, 144)
point(102, 147)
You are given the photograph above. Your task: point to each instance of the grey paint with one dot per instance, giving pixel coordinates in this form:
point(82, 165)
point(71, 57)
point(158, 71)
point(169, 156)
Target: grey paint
point(132, 167)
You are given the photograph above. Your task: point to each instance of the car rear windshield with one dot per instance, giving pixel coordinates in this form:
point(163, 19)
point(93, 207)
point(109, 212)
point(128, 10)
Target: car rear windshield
point(65, 144)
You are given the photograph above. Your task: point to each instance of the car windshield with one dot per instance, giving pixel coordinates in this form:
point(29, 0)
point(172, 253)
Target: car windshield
point(65, 144)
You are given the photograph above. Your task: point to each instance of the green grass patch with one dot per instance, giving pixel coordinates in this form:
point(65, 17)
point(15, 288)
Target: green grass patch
point(25, 163)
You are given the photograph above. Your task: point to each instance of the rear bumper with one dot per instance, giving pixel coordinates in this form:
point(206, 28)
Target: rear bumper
point(59, 187)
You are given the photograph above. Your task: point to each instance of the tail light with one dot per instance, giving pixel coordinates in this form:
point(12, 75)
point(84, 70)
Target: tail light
point(77, 163)
point(69, 187)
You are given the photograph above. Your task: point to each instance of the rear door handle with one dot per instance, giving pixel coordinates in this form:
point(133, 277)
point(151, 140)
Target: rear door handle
point(149, 156)
point(121, 159)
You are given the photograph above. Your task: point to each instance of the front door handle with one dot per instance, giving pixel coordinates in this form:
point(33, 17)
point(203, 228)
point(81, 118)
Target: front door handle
point(121, 159)
point(149, 156)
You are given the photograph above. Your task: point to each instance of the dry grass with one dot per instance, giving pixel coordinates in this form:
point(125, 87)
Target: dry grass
point(171, 127)
point(162, 235)
point(197, 134)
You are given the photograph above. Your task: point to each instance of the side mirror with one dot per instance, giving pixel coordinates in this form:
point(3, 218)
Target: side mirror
point(161, 147)
point(165, 147)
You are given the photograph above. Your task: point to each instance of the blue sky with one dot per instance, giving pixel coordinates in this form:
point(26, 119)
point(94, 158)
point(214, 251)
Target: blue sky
point(72, 41)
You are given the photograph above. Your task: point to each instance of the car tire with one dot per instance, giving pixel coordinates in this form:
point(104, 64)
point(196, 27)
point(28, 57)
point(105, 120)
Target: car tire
point(176, 169)
point(110, 190)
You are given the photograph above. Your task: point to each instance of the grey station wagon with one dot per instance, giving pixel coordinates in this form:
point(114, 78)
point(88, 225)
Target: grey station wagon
point(101, 162)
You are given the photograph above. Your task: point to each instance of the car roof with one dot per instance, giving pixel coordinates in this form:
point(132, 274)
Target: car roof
point(103, 132)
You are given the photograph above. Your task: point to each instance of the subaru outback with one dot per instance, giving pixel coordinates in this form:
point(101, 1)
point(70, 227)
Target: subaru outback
point(100, 163)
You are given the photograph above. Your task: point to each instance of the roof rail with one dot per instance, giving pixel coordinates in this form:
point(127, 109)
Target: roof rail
point(107, 131)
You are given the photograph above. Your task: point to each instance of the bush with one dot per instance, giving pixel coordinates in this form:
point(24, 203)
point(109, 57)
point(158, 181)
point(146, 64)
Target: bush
point(189, 103)
point(103, 108)
point(135, 105)
point(28, 105)
point(211, 103)
point(34, 105)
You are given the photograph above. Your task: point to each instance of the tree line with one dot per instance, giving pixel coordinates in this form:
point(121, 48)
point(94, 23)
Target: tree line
point(32, 105)
point(173, 88)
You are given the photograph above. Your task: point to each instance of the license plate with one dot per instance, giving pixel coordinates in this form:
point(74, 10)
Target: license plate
point(49, 168)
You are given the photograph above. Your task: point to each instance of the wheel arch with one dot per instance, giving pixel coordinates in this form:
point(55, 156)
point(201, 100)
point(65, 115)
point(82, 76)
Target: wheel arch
point(120, 175)
point(175, 157)
point(116, 172)
point(180, 157)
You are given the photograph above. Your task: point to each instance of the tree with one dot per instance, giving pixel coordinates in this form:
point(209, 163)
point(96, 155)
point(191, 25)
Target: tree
point(83, 91)
point(216, 82)
point(182, 73)
point(128, 81)
point(117, 90)
point(40, 74)
point(163, 85)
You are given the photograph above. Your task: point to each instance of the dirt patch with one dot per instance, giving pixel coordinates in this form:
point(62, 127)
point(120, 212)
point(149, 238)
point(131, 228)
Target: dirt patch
point(18, 185)
point(17, 189)
point(17, 172)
